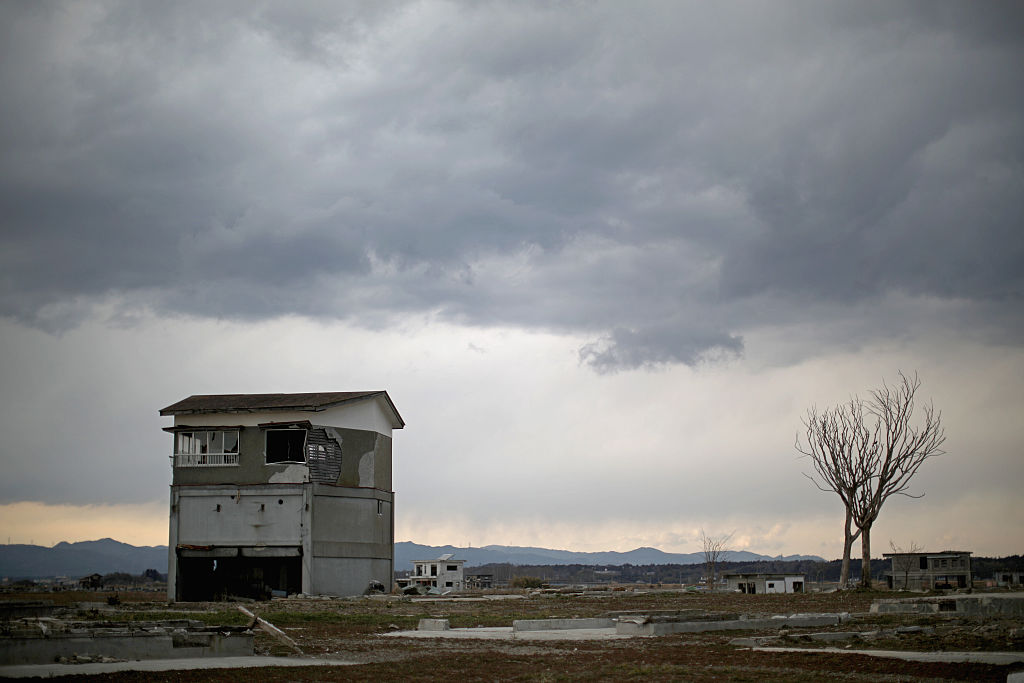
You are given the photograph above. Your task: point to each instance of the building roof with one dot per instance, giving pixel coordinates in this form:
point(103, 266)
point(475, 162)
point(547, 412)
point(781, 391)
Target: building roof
point(248, 403)
point(948, 553)
point(763, 575)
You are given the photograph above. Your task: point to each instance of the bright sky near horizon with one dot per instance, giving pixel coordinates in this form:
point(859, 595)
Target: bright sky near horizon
point(603, 256)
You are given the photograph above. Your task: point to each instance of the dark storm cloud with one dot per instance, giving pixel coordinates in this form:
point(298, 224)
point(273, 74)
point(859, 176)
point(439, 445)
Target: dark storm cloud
point(657, 177)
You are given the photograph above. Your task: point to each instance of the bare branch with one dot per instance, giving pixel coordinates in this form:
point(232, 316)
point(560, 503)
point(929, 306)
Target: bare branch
point(715, 549)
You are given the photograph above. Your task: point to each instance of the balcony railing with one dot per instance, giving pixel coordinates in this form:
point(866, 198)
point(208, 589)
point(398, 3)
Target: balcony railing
point(205, 459)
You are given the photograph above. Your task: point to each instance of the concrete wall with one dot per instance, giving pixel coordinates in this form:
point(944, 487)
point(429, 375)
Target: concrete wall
point(247, 516)
point(351, 542)
point(348, 576)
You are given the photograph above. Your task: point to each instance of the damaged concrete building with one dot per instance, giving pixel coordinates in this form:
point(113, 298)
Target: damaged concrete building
point(281, 494)
point(928, 571)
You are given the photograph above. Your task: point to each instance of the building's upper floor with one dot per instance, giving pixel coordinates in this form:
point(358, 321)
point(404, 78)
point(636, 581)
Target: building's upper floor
point(341, 438)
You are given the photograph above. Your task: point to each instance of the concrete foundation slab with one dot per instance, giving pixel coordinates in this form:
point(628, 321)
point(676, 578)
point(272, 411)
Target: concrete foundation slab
point(997, 658)
point(560, 624)
point(637, 627)
point(507, 633)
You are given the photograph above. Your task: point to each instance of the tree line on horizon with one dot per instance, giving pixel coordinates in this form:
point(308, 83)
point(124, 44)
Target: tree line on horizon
point(814, 571)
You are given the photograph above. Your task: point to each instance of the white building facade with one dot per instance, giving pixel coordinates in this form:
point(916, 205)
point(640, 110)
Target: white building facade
point(444, 574)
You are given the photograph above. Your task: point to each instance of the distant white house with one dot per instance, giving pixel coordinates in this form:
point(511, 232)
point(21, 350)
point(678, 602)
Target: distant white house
point(444, 574)
point(766, 583)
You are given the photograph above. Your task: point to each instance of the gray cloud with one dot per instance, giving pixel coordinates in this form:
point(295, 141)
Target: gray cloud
point(658, 177)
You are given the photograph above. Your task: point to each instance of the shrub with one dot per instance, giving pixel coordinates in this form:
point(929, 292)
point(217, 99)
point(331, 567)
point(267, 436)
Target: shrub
point(527, 582)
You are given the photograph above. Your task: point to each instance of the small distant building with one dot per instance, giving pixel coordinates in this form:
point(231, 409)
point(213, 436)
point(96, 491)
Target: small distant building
point(1009, 579)
point(928, 571)
point(93, 581)
point(444, 574)
point(480, 581)
point(765, 583)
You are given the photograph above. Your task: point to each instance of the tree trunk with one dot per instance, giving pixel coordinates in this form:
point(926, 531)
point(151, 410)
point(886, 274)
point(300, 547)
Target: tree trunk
point(865, 557)
point(848, 538)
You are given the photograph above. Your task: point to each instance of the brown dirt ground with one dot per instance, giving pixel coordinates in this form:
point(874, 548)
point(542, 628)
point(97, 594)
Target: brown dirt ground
point(350, 630)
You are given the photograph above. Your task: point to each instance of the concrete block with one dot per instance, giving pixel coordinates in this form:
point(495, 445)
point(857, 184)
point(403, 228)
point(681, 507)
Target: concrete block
point(433, 625)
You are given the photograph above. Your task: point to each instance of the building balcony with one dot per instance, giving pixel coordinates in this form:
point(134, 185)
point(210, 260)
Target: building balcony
point(206, 460)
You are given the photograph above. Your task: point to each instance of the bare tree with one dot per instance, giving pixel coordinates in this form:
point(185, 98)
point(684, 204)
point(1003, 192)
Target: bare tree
point(904, 564)
point(841, 450)
point(866, 451)
point(903, 446)
point(715, 550)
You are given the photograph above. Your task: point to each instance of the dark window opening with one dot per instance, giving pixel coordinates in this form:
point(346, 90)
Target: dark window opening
point(286, 445)
point(433, 570)
point(924, 563)
point(453, 568)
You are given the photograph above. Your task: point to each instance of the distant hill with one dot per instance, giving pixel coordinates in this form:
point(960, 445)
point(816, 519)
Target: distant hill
point(406, 552)
point(75, 560)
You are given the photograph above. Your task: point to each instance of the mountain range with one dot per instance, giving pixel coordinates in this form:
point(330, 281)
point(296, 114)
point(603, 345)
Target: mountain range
point(107, 555)
point(75, 560)
point(406, 552)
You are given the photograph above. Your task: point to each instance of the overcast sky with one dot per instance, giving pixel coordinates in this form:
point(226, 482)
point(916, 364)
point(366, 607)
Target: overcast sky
point(603, 256)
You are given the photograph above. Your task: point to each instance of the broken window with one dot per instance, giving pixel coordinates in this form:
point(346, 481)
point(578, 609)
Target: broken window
point(453, 568)
point(286, 445)
point(207, 442)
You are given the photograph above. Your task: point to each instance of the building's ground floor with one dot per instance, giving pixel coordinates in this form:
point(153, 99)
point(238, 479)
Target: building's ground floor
point(278, 539)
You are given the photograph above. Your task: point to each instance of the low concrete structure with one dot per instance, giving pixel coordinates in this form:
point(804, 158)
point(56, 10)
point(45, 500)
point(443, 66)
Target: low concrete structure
point(433, 625)
point(43, 641)
point(980, 604)
point(766, 583)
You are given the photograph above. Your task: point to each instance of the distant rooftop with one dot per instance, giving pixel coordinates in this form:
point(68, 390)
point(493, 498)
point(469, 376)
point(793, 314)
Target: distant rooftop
point(244, 403)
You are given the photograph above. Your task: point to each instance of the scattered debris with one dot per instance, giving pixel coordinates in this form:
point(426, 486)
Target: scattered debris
point(271, 629)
